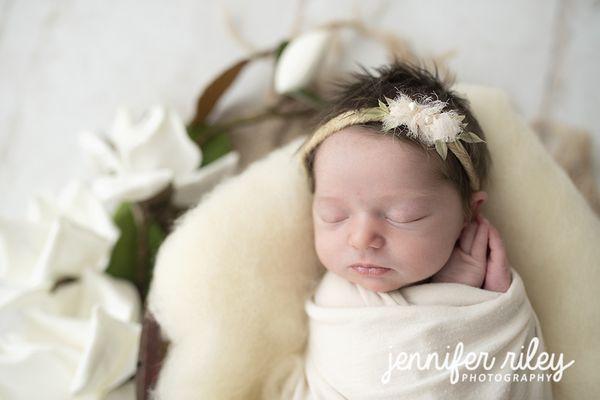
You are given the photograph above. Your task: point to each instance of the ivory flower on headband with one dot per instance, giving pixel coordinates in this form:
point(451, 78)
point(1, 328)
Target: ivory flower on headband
point(425, 121)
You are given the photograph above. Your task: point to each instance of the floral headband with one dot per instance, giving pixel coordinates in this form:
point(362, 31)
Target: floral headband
point(425, 121)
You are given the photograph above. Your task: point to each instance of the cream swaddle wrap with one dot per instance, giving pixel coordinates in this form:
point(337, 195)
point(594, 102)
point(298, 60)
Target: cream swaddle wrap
point(356, 335)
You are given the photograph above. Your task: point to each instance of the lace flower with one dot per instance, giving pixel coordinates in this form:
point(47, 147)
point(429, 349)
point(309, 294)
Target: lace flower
point(426, 121)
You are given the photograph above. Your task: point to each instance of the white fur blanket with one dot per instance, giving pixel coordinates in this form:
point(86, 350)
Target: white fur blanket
point(370, 345)
point(230, 281)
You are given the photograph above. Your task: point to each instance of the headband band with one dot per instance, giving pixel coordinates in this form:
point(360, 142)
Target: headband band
point(425, 121)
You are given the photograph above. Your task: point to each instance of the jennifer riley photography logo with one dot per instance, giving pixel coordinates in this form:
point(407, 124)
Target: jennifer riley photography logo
point(524, 366)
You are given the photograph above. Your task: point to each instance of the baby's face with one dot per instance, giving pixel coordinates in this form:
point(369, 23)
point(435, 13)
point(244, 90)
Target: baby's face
point(379, 201)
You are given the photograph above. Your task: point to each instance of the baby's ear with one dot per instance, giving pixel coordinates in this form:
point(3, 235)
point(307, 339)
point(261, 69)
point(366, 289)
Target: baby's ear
point(477, 199)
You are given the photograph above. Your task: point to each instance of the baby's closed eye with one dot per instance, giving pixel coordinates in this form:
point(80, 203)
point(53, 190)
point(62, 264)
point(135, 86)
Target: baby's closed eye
point(405, 220)
point(332, 215)
point(403, 217)
point(335, 216)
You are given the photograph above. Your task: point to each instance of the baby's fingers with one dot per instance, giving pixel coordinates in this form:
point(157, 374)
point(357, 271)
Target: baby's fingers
point(480, 243)
point(497, 252)
point(467, 236)
point(498, 276)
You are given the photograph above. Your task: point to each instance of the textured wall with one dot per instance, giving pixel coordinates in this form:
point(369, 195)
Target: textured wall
point(66, 65)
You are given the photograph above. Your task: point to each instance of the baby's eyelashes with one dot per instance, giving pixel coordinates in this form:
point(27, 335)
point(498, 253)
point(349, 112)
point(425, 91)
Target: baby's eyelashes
point(336, 216)
point(331, 218)
point(406, 221)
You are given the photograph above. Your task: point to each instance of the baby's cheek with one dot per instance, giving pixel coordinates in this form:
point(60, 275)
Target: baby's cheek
point(325, 246)
point(442, 248)
point(429, 253)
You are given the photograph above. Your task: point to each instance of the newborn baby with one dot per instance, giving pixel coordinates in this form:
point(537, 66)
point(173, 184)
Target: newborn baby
point(385, 218)
point(414, 270)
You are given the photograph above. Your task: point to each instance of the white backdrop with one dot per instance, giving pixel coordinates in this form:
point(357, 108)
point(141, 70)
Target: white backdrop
point(66, 65)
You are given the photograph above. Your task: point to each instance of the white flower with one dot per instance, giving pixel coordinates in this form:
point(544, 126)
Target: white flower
point(445, 127)
point(60, 238)
point(80, 341)
point(190, 188)
point(426, 121)
point(300, 61)
point(139, 159)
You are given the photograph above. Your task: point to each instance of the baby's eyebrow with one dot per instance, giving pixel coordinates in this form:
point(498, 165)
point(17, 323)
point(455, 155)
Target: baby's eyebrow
point(413, 197)
point(395, 198)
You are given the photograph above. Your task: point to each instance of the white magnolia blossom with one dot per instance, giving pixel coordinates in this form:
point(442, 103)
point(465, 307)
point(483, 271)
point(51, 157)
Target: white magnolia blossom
point(78, 342)
point(300, 60)
point(140, 158)
point(81, 340)
point(190, 188)
point(60, 238)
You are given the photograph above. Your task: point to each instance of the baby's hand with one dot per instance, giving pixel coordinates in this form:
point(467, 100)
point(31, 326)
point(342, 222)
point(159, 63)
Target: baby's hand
point(469, 263)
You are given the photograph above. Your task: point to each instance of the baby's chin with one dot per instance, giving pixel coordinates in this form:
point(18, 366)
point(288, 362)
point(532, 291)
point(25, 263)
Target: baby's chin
point(379, 284)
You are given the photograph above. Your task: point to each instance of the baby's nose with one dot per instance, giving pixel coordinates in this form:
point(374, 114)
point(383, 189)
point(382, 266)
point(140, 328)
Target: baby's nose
point(364, 234)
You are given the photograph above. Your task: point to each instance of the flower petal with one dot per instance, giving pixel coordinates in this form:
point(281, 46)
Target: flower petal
point(36, 371)
point(163, 144)
point(118, 297)
point(300, 61)
point(110, 356)
point(68, 250)
point(190, 188)
point(21, 243)
point(131, 187)
point(82, 338)
point(100, 156)
point(77, 203)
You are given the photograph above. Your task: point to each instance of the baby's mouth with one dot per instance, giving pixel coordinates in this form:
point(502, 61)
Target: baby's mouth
point(369, 269)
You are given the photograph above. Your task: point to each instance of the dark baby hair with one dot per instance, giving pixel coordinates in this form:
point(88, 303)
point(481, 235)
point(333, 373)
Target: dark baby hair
point(364, 89)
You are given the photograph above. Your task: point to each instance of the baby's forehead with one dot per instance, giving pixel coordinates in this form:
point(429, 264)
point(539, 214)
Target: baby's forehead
point(360, 165)
point(357, 140)
point(356, 151)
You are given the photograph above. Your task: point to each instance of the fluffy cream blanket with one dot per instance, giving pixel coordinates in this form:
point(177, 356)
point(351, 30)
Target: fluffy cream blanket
point(429, 341)
point(231, 280)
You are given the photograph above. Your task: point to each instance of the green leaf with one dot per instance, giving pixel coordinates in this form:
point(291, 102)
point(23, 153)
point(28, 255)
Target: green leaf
point(280, 49)
point(156, 236)
point(201, 131)
point(441, 148)
point(470, 137)
point(123, 259)
point(383, 106)
point(213, 92)
point(215, 147)
point(197, 130)
point(374, 112)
